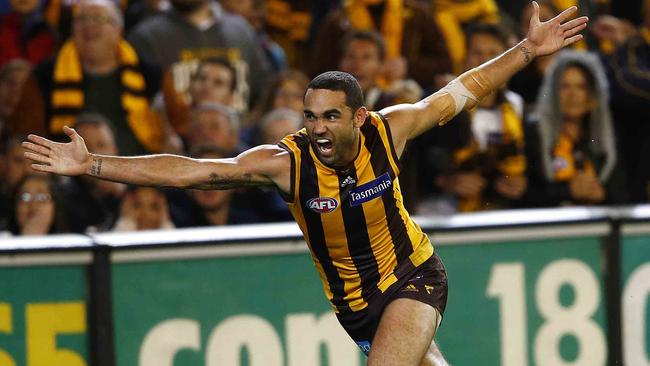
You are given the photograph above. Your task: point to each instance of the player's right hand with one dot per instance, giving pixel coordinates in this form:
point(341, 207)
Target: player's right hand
point(70, 158)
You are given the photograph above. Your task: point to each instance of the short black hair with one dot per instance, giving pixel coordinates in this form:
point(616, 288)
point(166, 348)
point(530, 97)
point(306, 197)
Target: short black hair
point(340, 81)
point(220, 62)
point(366, 35)
point(490, 29)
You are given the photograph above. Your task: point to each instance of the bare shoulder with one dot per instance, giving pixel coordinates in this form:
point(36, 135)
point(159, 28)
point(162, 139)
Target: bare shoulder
point(400, 119)
point(407, 121)
point(396, 114)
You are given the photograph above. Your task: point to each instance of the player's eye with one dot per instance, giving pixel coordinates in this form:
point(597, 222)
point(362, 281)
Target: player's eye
point(332, 117)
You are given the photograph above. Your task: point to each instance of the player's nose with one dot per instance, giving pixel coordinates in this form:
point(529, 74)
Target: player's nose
point(319, 127)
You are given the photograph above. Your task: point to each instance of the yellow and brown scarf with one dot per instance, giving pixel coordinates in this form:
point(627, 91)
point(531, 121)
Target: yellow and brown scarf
point(564, 163)
point(510, 165)
point(392, 22)
point(67, 98)
point(280, 14)
point(451, 15)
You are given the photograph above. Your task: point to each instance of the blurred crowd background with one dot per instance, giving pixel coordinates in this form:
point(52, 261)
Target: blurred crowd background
point(209, 79)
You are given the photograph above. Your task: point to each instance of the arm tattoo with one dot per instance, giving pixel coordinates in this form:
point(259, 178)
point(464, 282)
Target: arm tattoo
point(96, 167)
point(227, 181)
point(526, 52)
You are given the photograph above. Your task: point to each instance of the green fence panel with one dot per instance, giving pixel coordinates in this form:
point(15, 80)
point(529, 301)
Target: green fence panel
point(43, 316)
point(635, 306)
point(264, 310)
point(510, 303)
point(525, 303)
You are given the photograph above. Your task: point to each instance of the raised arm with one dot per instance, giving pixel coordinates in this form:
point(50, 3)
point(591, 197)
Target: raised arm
point(410, 120)
point(264, 165)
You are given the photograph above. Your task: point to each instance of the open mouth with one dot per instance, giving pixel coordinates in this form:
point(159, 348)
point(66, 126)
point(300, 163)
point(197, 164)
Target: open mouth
point(325, 146)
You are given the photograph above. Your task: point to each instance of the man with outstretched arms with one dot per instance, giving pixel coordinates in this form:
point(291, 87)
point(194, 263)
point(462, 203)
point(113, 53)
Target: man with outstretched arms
point(339, 176)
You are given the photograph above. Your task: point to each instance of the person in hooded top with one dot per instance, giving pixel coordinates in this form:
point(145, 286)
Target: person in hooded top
point(572, 147)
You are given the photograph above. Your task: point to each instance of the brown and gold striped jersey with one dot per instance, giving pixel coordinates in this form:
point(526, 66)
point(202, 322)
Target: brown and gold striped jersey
point(361, 237)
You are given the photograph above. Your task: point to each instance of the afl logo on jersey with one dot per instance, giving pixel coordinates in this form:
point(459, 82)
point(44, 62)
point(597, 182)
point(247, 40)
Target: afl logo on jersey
point(322, 205)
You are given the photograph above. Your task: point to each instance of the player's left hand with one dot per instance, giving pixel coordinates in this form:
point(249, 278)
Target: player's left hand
point(550, 36)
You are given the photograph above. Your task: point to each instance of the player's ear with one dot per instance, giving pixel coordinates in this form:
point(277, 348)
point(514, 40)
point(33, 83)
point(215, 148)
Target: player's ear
point(360, 116)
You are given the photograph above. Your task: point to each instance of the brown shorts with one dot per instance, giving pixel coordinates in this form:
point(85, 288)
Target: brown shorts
point(427, 284)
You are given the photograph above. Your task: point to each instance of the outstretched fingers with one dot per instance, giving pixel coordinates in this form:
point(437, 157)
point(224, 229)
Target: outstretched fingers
point(575, 30)
point(574, 23)
point(42, 168)
point(41, 141)
point(38, 154)
point(572, 40)
point(572, 28)
point(37, 148)
point(38, 158)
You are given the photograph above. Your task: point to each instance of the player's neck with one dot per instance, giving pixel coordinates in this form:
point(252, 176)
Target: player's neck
point(350, 156)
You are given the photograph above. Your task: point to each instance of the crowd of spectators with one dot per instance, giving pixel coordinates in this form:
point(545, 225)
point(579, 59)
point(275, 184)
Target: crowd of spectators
point(209, 79)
